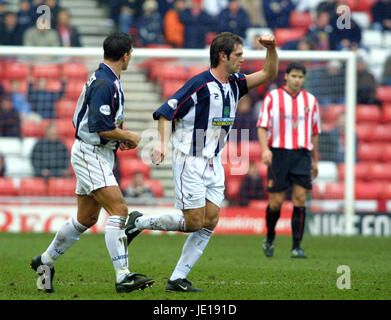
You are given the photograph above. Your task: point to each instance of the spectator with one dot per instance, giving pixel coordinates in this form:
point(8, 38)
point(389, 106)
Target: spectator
point(11, 33)
point(252, 186)
point(215, 7)
point(387, 72)
point(332, 143)
point(197, 23)
point(9, 118)
point(164, 6)
point(327, 83)
point(245, 119)
point(114, 9)
point(41, 37)
point(26, 15)
point(50, 156)
point(1, 91)
point(128, 15)
point(345, 39)
point(150, 25)
point(54, 10)
point(138, 189)
point(305, 43)
point(329, 6)
point(69, 35)
point(319, 32)
point(234, 19)
point(366, 84)
point(21, 103)
point(173, 27)
point(3, 9)
point(381, 14)
point(277, 13)
point(42, 100)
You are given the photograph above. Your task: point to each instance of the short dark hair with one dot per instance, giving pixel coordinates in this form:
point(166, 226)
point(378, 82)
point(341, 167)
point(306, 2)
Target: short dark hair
point(296, 66)
point(225, 42)
point(116, 45)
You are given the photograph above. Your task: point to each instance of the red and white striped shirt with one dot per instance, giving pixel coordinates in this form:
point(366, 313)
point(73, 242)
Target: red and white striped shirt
point(290, 120)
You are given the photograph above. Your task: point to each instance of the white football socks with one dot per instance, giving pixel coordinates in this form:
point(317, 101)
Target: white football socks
point(191, 252)
point(117, 245)
point(165, 222)
point(65, 237)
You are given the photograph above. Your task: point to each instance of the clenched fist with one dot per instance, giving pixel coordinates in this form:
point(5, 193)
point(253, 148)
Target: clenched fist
point(268, 41)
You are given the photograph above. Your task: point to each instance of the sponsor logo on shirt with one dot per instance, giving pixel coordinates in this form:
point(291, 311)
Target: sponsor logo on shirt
point(173, 103)
point(105, 109)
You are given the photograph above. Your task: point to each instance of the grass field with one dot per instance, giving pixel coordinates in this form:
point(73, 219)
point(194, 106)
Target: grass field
point(232, 268)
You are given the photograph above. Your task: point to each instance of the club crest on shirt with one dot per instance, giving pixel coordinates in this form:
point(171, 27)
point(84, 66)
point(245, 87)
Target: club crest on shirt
point(173, 103)
point(105, 109)
point(306, 109)
point(270, 183)
point(295, 124)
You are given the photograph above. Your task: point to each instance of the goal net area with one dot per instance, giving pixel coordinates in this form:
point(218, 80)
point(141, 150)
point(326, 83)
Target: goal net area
point(40, 88)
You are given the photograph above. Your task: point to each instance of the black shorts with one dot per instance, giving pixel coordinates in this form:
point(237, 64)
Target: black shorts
point(288, 167)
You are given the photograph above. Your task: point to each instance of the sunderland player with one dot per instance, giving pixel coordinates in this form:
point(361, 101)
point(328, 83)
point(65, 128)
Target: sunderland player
point(98, 121)
point(200, 116)
point(288, 130)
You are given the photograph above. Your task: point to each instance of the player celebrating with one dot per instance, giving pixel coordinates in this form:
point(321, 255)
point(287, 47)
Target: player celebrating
point(200, 116)
point(98, 121)
point(288, 129)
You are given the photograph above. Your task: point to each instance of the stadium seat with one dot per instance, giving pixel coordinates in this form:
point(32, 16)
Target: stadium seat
point(360, 169)
point(65, 108)
point(386, 152)
point(262, 170)
point(132, 153)
point(65, 128)
point(74, 88)
point(15, 70)
point(193, 70)
point(364, 132)
point(10, 146)
point(299, 19)
point(32, 187)
point(368, 190)
point(7, 85)
point(45, 71)
point(386, 191)
point(316, 193)
point(53, 85)
point(61, 187)
point(370, 151)
point(209, 38)
point(170, 87)
point(363, 19)
point(386, 113)
point(364, 5)
point(368, 113)
point(252, 149)
point(68, 143)
point(74, 70)
point(31, 128)
point(334, 190)
point(371, 38)
point(284, 35)
point(154, 185)
point(333, 111)
point(7, 187)
point(383, 132)
point(232, 188)
point(171, 71)
point(379, 171)
point(383, 94)
point(129, 166)
point(258, 204)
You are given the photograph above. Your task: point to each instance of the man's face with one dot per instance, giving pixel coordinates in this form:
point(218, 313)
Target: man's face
point(235, 59)
point(294, 80)
point(127, 58)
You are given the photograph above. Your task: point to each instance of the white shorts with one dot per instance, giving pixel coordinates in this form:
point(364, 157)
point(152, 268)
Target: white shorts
point(197, 179)
point(93, 166)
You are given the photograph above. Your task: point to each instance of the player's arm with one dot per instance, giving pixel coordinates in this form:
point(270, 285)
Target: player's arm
point(270, 68)
point(130, 138)
point(160, 150)
point(266, 153)
point(315, 155)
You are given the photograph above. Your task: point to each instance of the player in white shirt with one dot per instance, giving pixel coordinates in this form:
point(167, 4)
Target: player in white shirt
point(200, 116)
point(98, 120)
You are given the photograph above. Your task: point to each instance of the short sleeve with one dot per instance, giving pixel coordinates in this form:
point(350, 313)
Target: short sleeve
point(100, 107)
point(264, 114)
point(179, 104)
point(316, 127)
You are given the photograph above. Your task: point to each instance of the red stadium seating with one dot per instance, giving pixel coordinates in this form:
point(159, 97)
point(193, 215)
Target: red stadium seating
point(368, 113)
point(74, 70)
point(383, 94)
point(333, 111)
point(68, 143)
point(65, 128)
point(132, 153)
point(334, 190)
point(171, 71)
point(262, 170)
point(370, 151)
point(383, 133)
point(386, 115)
point(15, 70)
point(153, 184)
point(32, 187)
point(386, 153)
point(252, 149)
point(45, 71)
point(129, 166)
point(315, 192)
point(170, 87)
point(22, 87)
point(232, 187)
point(258, 204)
point(299, 19)
point(365, 5)
point(364, 131)
point(194, 70)
point(379, 171)
point(65, 108)
point(60, 187)
point(284, 35)
point(32, 128)
point(53, 85)
point(74, 88)
point(368, 190)
point(386, 191)
point(361, 170)
point(7, 187)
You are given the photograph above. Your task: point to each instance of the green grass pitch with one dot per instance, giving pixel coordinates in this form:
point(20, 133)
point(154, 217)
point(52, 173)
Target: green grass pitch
point(231, 268)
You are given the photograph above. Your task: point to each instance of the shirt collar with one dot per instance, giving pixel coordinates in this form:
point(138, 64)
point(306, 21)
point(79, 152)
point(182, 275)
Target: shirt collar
point(104, 65)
